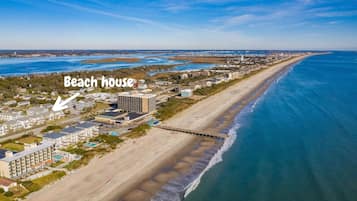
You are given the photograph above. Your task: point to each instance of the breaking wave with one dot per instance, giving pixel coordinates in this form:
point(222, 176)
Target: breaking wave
point(181, 187)
point(215, 159)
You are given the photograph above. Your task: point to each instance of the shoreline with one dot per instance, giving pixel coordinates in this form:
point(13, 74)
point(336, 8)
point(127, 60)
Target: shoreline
point(114, 174)
point(213, 154)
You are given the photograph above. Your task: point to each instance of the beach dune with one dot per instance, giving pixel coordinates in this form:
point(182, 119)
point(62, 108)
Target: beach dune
point(134, 161)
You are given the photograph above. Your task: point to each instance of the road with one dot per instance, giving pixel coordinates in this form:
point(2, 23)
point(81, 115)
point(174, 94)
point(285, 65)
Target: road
point(37, 130)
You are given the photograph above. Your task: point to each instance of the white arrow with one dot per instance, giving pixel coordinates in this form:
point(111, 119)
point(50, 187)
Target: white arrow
point(61, 105)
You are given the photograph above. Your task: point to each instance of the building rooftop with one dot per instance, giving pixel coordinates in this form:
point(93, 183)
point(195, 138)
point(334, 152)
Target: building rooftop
point(86, 124)
point(6, 182)
point(21, 154)
point(71, 129)
point(54, 135)
point(139, 95)
point(134, 115)
point(2, 153)
point(112, 115)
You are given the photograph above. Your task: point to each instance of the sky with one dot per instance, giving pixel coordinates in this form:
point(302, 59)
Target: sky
point(184, 24)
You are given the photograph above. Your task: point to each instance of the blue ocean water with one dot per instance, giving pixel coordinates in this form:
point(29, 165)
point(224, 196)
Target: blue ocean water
point(298, 142)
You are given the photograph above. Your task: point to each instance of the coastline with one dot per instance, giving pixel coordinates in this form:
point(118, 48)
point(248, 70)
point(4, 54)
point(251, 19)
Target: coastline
point(103, 177)
point(178, 188)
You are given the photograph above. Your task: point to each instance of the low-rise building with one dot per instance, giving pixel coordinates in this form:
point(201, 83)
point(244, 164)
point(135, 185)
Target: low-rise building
point(183, 76)
point(16, 121)
point(59, 139)
point(109, 117)
point(10, 115)
point(23, 103)
point(90, 129)
point(186, 93)
point(163, 83)
point(11, 102)
point(3, 129)
point(234, 75)
point(6, 184)
point(72, 135)
point(142, 84)
point(37, 110)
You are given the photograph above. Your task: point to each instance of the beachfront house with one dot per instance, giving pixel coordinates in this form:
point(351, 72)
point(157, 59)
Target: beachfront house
point(60, 140)
point(6, 184)
point(72, 135)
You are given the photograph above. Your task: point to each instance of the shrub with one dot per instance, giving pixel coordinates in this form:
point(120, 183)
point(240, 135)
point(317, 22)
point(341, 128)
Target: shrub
point(8, 194)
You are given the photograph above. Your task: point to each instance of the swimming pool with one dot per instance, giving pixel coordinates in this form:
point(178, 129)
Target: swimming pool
point(57, 157)
point(90, 144)
point(114, 133)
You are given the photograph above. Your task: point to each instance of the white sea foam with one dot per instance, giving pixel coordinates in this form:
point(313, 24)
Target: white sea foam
point(232, 135)
point(215, 159)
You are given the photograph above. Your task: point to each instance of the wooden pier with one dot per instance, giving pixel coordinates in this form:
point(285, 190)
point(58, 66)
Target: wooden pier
point(193, 132)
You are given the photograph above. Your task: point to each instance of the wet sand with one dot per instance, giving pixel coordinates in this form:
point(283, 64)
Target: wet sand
point(139, 167)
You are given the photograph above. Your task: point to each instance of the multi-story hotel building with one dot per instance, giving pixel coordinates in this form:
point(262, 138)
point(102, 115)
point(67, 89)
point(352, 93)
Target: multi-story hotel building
point(137, 102)
point(33, 158)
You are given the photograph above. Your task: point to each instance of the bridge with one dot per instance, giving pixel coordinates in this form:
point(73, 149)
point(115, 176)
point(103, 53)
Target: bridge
point(193, 132)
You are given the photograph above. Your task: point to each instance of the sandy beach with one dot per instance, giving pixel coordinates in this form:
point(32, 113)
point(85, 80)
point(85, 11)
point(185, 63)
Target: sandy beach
point(116, 173)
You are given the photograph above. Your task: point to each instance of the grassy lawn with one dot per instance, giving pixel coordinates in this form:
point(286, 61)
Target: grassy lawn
point(51, 128)
point(37, 184)
point(138, 131)
point(18, 191)
point(172, 107)
point(56, 164)
point(112, 141)
point(215, 88)
point(18, 144)
point(98, 108)
point(29, 139)
point(5, 198)
point(13, 146)
point(87, 155)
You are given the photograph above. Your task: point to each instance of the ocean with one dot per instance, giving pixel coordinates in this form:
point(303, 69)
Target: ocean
point(297, 142)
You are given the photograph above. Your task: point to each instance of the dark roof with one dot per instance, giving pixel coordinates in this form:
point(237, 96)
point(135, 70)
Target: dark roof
point(2, 153)
point(54, 135)
point(86, 124)
point(71, 129)
point(112, 114)
point(134, 115)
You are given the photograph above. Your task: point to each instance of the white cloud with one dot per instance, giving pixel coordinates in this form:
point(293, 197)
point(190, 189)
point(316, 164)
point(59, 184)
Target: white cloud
point(345, 13)
point(114, 15)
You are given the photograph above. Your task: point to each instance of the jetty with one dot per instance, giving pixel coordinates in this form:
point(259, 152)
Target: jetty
point(193, 132)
